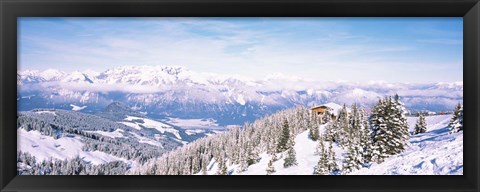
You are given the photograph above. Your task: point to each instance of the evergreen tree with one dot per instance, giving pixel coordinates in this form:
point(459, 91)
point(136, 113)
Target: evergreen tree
point(321, 167)
point(282, 143)
point(290, 159)
point(354, 160)
point(390, 128)
point(222, 167)
point(252, 157)
point(421, 125)
point(270, 168)
point(343, 121)
point(332, 162)
point(331, 131)
point(313, 132)
point(366, 140)
point(456, 123)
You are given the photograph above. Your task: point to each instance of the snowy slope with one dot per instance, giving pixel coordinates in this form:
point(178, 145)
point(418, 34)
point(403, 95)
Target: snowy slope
point(148, 123)
point(435, 152)
point(45, 147)
point(77, 108)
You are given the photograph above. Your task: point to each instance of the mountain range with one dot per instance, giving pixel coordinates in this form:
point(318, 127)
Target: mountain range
point(177, 92)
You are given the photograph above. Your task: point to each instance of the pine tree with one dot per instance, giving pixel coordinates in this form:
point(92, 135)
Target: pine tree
point(332, 162)
point(354, 160)
point(399, 125)
point(291, 158)
point(313, 132)
point(321, 167)
point(331, 131)
point(456, 123)
point(270, 168)
point(390, 128)
point(421, 125)
point(366, 140)
point(282, 143)
point(252, 154)
point(222, 167)
point(345, 129)
point(243, 163)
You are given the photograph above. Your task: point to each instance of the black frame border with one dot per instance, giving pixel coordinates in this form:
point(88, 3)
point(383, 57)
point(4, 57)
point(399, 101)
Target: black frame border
point(10, 10)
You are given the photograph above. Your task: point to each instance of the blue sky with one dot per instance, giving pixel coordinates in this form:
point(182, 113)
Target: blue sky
point(416, 50)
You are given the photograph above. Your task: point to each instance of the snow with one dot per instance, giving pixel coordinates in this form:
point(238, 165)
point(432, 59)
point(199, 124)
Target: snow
point(113, 134)
point(435, 152)
point(151, 124)
point(240, 100)
point(46, 147)
point(46, 112)
point(146, 140)
point(77, 108)
point(194, 123)
point(156, 85)
point(52, 74)
point(194, 131)
point(132, 125)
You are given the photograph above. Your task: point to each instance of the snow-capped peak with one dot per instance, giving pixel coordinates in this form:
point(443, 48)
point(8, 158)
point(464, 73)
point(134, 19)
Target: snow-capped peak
point(77, 77)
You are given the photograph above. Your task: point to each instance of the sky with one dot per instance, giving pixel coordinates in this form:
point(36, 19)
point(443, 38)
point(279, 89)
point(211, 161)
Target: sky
point(406, 50)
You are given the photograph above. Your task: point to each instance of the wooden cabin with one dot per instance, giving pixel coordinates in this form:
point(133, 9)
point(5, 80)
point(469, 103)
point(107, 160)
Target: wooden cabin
point(319, 110)
point(332, 108)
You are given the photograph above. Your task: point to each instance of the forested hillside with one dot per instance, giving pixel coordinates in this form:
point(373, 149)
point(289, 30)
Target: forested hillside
point(350, 141)
point(346, 140)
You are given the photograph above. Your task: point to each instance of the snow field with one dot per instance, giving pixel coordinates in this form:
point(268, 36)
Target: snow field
point(151, 124)
point(113, 134)
point(46, 147)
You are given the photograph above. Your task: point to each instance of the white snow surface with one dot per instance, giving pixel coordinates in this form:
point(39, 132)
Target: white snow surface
point(194, 123)
point(113, 134)
point(435, 152)
point(147, 140)
point(46, 147)
point(151, 124)
point(46, 112)
point(77, 108)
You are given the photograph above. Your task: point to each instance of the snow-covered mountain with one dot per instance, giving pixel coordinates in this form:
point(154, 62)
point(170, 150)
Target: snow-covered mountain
point(166, 91)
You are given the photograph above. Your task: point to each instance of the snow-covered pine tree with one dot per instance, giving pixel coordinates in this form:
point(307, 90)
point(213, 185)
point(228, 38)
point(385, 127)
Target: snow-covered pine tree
point(331, 131)
point(283, 140)
point(456, 123)
point(332, 161)
point(421, 125)
point(321, 167)
point(291, 158)
point(252, 154)
point(243, 165)
point(390, 128)
point(270, 168)
point(222, 166)
point(345, 129)
point(399, 125)
point(354, 160)
point(366, 141)
point(313, 131)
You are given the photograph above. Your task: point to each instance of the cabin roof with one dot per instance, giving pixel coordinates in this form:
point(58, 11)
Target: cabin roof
point(331, 106)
